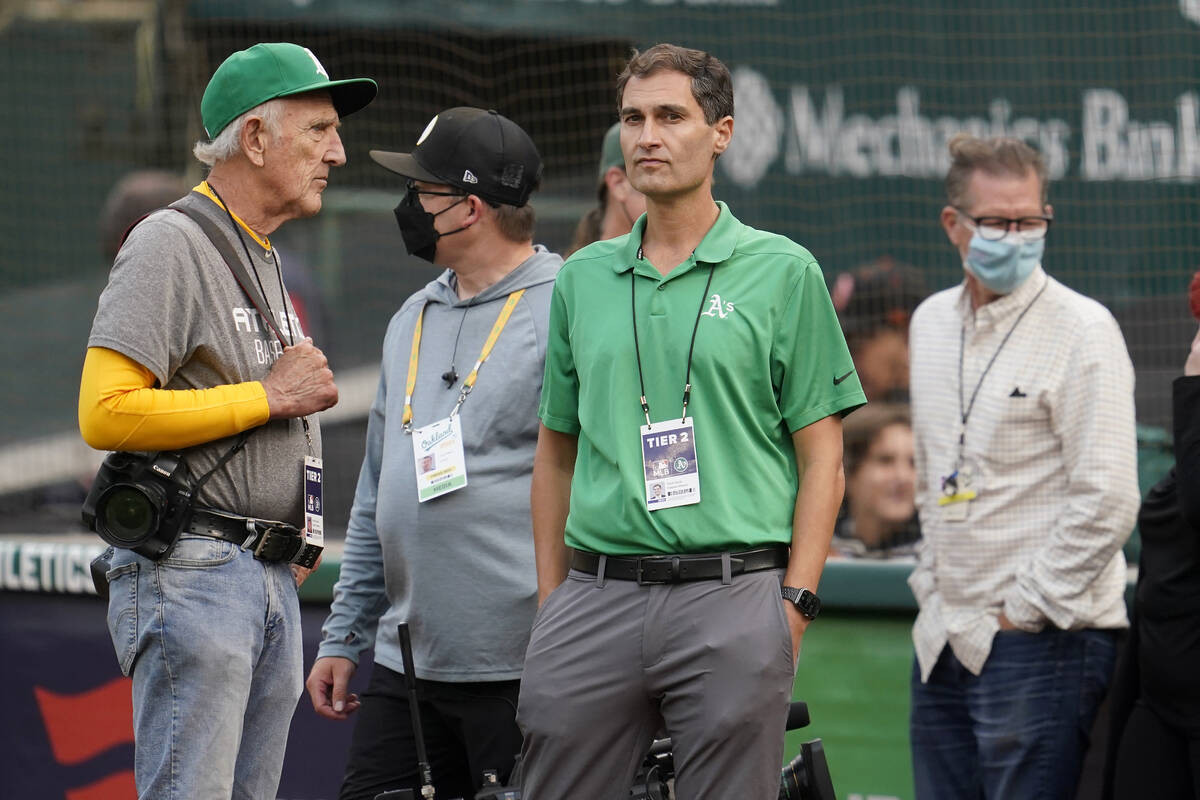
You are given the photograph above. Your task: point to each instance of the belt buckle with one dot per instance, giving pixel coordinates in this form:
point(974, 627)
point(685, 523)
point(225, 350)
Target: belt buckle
point(640, 571)
point(274, 545)
point(306, 556)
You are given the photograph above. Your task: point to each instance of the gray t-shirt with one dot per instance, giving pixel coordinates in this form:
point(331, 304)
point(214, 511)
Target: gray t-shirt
point(173, 306)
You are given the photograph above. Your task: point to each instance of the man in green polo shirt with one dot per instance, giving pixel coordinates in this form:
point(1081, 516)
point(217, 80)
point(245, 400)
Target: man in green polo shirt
point(702, 357)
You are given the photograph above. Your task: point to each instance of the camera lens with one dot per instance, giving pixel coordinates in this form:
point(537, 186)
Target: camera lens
point(792, 784)
point(126, 515)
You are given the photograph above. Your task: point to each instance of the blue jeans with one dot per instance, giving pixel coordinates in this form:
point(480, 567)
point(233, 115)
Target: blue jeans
point(211, 638)
point(1020, 728)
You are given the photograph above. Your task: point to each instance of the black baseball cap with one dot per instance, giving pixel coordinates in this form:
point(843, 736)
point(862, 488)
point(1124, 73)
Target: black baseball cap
point(481, 152)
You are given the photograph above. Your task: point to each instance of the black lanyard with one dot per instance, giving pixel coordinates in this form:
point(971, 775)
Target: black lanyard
point(237, 229)
point(282, 294)
point(966, 413)
point(687, 386)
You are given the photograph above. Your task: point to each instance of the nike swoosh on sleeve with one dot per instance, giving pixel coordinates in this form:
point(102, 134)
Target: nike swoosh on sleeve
point(836, 381)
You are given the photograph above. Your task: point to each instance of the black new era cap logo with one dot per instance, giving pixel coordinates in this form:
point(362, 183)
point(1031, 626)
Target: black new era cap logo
point(511, 177)
point(469, 177)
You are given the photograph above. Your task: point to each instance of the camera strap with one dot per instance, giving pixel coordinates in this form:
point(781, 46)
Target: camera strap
point(229, 254)
point(238, 444)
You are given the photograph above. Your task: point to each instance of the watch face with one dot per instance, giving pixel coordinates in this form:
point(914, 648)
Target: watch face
point(809, 604)
point(805, 601)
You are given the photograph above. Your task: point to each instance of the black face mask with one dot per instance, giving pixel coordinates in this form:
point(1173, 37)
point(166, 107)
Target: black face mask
point(416, 226)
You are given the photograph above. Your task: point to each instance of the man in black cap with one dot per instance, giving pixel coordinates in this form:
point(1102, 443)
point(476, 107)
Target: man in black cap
point(190, 353)
point(440, 533)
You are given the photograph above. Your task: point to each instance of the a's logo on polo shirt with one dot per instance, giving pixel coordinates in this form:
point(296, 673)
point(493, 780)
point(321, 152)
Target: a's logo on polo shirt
point(718, 308)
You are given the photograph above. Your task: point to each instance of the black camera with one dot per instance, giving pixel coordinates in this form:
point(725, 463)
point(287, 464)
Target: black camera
point(140, 502)
point(807, 775)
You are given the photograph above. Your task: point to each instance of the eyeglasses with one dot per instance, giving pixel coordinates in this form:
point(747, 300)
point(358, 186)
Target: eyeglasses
point(412, 188)
point(413, 192)
point(995, 228)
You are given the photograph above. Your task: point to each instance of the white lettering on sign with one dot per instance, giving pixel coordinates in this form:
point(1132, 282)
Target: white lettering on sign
point(821, 137)
point(51, 567)
point(817, 132)
point(1190, 9)
point(1118, 148)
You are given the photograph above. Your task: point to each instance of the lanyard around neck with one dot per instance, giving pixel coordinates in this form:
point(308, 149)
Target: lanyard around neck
point(965, 412)
point(637, 350)
point(469, 383)
point(267, 315)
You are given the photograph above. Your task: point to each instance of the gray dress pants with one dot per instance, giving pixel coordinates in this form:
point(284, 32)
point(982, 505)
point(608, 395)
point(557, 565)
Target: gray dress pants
point(610, 663)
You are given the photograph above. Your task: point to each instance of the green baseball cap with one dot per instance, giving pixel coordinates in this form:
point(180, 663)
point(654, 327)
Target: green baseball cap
point(276, 69)
point(610, 150)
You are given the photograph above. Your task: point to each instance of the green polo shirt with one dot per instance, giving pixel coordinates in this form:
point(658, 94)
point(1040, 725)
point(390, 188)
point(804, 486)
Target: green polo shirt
point(769, 359)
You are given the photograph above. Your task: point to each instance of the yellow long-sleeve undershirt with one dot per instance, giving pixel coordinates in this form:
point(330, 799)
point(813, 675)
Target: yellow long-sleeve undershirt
point(119, 408)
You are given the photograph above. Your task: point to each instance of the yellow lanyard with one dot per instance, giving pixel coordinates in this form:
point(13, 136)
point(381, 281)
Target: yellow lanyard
point(469, 383)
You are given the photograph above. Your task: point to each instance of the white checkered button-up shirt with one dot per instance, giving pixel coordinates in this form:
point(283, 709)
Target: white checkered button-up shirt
point(1052, 439)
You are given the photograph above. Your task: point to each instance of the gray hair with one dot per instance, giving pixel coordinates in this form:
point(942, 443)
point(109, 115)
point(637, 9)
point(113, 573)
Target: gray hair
point(228, 142)
point(996, 156)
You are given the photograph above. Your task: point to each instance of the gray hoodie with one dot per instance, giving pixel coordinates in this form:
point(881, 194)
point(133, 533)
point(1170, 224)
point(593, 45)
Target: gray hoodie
point(458, 568)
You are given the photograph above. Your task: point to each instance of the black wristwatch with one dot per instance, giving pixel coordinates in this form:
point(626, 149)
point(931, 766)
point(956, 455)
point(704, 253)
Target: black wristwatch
point(805, 601)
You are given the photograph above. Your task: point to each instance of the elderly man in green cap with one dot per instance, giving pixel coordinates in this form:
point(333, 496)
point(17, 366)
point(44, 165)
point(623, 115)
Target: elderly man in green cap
point(196, 352)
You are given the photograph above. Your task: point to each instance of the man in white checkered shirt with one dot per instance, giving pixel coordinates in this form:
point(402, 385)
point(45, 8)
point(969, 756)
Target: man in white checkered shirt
point(1022, 394)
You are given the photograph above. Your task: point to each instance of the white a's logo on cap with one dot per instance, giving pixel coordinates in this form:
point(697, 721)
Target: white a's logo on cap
point(317, 63)
point(469, 177)
point(427, 131)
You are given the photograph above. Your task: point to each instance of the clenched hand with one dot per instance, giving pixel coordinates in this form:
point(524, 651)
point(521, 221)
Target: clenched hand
point(300, 382)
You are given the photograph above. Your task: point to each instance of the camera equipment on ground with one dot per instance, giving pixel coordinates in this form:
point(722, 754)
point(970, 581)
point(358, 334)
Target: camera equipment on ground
point(805, 777)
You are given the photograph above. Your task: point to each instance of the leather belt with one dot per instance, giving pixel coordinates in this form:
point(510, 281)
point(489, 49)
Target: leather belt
point(681, 568)
point(270, 540)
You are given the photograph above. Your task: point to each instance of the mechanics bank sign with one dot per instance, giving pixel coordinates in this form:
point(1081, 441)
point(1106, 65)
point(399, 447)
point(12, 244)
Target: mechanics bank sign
point(815, 131)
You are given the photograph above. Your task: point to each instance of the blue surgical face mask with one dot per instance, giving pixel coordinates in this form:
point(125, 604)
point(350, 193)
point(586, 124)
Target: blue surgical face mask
point(1004, 264)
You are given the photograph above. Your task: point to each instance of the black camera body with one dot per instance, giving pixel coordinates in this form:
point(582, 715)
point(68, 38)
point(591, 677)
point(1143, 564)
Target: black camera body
point(805, 777)
point(140, 502)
